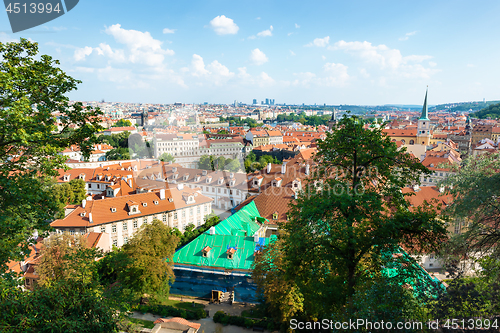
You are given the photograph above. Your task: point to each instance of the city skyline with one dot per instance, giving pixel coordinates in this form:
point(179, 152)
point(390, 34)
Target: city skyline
point(359, 53)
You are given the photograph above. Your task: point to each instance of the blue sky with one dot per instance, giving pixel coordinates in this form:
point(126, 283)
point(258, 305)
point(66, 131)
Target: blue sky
point(334, 52)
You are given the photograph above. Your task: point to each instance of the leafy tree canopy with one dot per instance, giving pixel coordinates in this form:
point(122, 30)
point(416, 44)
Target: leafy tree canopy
point(123, 123)
point(166, 157)
point(36, 122)
point(349, 213)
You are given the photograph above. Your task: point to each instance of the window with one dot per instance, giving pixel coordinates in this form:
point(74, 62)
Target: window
point(90, 185)
point(125, 226)
point(198, 210)
point(135, 224)
point(218, 190)
point(431, 256)
point(457, 228)
point(113, 228)
point(145, 220)
point(183, 213)
point(115, 242)
point(206, 208)
point(103, 229)
point(164, 217)
point(191, 211)
point(175, 216)
point(72, 232)
point(125, 240)
point(213, 189)
point(275, 216)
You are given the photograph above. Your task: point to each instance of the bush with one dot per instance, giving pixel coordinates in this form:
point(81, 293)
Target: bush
point(218, 316)
point(170, 311)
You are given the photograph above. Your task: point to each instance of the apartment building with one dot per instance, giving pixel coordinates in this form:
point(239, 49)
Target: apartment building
point(176, 144)
point(96, 155)
point(120, 217)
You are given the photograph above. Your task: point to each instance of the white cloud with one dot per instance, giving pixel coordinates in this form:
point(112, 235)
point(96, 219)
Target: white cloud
point(257, 18)
point(82, 53)
point(266, 33)
point(258, 57)
point(198, 66)
point(169, 31)
point(141, 46)
point(290, 33)
point(242, 73)
point(265, 80)
point(388, 59)
point(116, 75)
point(323, 57)
point(292, 53)
point(215, 72)
point(407, 35)
point(105, 49)
point(319, 42)
point(297, 26)
point(333, 75)
point(223, 25)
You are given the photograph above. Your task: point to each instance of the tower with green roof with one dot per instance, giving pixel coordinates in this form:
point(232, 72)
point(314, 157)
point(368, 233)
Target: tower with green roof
point(424, 125)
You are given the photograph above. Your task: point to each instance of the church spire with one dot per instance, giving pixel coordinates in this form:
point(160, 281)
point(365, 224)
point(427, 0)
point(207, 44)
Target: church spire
point(425, 115)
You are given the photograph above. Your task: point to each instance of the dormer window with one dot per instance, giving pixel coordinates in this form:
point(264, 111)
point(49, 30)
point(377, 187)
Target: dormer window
point(82, 176)
point(66, 178)
point(230, 253)
point(176, 175)
point(113, 210)
point(108, 178)
point(170, 199)
point(231, 175)
point(275, 216)
point(156, 202)
point(221, 179)
point(197, 178)
point(133, 207)
point(174, 169)
point(186, 176)
point(204, 172)
point(144, 204)
point(205, 251)
point(82, 214)
point(232, 182)
point(99, 177)
point(209, 179)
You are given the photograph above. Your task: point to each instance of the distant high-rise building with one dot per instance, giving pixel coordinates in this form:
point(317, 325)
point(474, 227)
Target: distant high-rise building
point(254, 101)
point(267, 101)
point(235, 103)
point(272, 101)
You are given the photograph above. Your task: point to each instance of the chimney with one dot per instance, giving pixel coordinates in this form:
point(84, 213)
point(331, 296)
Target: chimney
point(283, 168)
point(84, 202)
point(180, 186)
point(120, 163)
point(416, 188)
point(268, 167)
point(307, 169)
point(441, 189)
point(212, 230)
point(256, 238)
point(90, 218)
point(162, 194)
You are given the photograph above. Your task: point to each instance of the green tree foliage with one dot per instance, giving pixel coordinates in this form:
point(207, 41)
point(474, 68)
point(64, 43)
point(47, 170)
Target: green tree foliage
point(219, 163)
point(265, 159)
point(206, 162)
point(237, 121)
point(71, 193)
point(119, 140)
point(349, 213)
point(166, 157)
point(151, 250)
point(64, 307)
point(66, 257)
point(492, 111)
point(123, 123)
point(233, 165)
point(476, 210)
point(32, 90)
point(118, 154)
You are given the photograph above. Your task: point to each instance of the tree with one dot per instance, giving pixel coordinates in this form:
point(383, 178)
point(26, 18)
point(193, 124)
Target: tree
point(65, 258)
point(233, 165)
point(166, 157)
point(219, 163)
point(265, 159)
point(476, 210)
point(118, 154)
point(349, 213)
point(206, 162)
point(71, 193)
point(36, 122)
point(123, 123)
point(152, 250)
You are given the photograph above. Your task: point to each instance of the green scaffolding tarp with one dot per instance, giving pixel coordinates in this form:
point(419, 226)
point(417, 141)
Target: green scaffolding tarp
point(235, 232)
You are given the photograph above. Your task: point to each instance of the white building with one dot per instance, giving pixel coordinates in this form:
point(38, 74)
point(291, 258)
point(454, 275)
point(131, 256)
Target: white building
point(121, 217)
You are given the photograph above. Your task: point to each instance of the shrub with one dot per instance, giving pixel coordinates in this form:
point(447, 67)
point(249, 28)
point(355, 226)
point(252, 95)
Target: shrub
point(218, 316)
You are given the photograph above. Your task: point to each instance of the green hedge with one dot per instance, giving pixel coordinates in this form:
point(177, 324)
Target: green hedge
point(223, 318)
point(170, 311)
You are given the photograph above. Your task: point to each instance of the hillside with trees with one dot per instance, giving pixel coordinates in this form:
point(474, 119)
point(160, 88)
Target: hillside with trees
point(492, 111)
